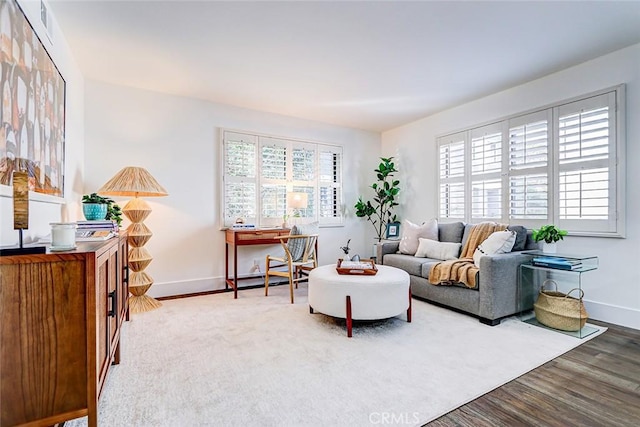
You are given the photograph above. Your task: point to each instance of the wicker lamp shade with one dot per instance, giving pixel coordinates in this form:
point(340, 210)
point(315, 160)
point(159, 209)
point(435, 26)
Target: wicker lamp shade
point(133, 181)
point(136, 181)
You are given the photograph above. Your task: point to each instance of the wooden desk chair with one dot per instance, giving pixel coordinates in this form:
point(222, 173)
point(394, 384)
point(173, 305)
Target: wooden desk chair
point(300, 255)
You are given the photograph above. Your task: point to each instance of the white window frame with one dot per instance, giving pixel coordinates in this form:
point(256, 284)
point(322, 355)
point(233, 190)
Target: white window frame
point(290, 184)
point(613, 226)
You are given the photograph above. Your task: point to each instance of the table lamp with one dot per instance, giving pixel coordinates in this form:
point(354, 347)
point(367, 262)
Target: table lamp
point(297, 201)
point(136, 182)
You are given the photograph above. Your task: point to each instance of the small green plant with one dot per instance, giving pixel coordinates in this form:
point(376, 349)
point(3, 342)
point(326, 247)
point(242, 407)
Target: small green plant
point(113, 210)
point(549, 234)
point(380, 212)
point(94, 198)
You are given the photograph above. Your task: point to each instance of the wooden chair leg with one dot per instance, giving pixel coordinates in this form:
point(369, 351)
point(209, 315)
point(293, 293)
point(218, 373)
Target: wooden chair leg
point(266, 278)
point(291, 284)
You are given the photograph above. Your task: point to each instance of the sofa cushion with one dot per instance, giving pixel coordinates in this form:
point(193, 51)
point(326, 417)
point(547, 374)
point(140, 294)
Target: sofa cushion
point(412, 232)
point(521, 237)
point(450, 232)
point(439, 250)
point(499, 242)
point(408, 263)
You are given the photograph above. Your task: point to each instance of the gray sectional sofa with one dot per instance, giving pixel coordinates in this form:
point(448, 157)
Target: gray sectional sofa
point(495, 294)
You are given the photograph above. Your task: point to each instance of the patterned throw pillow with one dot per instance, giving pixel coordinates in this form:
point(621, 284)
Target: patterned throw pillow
point(412, 232)
point(296, 246)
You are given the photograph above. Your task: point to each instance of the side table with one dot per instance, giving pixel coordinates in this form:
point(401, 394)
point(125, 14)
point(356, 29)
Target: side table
point(532, 277)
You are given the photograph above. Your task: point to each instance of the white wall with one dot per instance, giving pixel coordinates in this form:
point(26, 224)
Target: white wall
point(178, 140)
point(612, 292)
point(44, 209)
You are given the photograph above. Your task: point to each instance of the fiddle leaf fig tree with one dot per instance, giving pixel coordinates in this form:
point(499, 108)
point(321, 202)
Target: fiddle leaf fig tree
point(380, 211)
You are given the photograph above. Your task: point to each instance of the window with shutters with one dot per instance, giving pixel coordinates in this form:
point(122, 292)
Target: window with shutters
point(529, 167)
point(452, 167)
point(260, 170)
point(587, 163)
point(558, 165)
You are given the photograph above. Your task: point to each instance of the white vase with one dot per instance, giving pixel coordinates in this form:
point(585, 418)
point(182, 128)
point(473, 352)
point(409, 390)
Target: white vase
point(549, 248)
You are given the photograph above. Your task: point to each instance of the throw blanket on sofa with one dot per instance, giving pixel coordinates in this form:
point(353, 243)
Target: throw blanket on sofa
point(463, 270)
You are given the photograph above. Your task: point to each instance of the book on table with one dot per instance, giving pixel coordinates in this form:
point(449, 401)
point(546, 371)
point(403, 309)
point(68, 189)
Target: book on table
point(558, 263)
point(97, 224)
point(93, 235)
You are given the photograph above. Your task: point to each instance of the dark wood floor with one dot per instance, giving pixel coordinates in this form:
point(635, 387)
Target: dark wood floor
point(595, 384)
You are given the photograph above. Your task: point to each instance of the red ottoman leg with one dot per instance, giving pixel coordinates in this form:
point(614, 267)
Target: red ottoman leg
point(349, 320)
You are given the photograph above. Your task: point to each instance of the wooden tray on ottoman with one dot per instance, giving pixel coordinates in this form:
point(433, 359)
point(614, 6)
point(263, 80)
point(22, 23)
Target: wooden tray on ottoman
point(369, 270)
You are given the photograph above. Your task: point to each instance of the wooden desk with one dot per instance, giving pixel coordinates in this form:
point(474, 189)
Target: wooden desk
point(237, 238)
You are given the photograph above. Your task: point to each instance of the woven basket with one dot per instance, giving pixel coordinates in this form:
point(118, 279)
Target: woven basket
point(560, 311)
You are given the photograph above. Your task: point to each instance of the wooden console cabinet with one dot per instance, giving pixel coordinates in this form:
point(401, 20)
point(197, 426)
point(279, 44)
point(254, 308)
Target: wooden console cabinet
point(60, 320)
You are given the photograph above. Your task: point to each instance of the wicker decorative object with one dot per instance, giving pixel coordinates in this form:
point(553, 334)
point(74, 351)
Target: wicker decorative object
point(137, 181)
point(559, 310)
point(371, 269)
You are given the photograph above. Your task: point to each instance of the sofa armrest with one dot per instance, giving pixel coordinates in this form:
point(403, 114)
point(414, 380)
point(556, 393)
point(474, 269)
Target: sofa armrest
point(384, 248)
point(499, 284)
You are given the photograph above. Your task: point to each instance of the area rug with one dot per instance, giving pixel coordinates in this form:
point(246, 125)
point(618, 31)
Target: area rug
point(256, 361)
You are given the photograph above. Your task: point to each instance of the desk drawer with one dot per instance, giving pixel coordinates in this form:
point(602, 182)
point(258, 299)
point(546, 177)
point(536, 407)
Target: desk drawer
point(260, 235)
point(256, 237)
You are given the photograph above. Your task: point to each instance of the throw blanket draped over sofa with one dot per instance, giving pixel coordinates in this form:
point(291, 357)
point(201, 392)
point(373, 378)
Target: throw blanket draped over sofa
point(463, 270)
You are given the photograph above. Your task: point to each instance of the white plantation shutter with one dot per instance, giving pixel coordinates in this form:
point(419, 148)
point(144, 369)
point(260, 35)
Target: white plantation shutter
point(486, 199)
point(452, 176)
point(586, 164)
point(275, 168)
point(260, 170)
point(529, 167)
point(558, 165)
point(486, 171)
point(304, 162)
point(273, 158)
point(329, 184)
point(240, 179)
point(274, 203)
point(303, 178)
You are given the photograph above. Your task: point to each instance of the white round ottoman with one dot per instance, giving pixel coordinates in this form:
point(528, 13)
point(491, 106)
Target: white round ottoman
point(360, 297)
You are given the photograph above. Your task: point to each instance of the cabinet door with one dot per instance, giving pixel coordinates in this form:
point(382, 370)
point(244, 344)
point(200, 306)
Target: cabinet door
point(43, 337)
point(104, 285)
point(113, 298)
point(123, 284)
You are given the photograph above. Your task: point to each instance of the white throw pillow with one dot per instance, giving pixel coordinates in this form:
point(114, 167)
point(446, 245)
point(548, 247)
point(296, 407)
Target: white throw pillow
point(439, 250)
point(412, 232)
point(499, 242)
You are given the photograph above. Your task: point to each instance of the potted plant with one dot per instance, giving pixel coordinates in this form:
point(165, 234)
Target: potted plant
point(549, 235)
point(95, 207)
point(380, 211)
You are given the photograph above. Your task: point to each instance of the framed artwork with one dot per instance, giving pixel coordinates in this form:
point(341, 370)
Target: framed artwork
point(32, 114)
point(393, 230)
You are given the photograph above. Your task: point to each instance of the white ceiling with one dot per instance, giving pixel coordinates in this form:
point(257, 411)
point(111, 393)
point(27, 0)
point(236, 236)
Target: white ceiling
point(368, 65)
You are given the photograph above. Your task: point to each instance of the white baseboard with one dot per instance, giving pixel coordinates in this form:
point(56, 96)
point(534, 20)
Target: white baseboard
point(186, 287)
point(617, 315)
